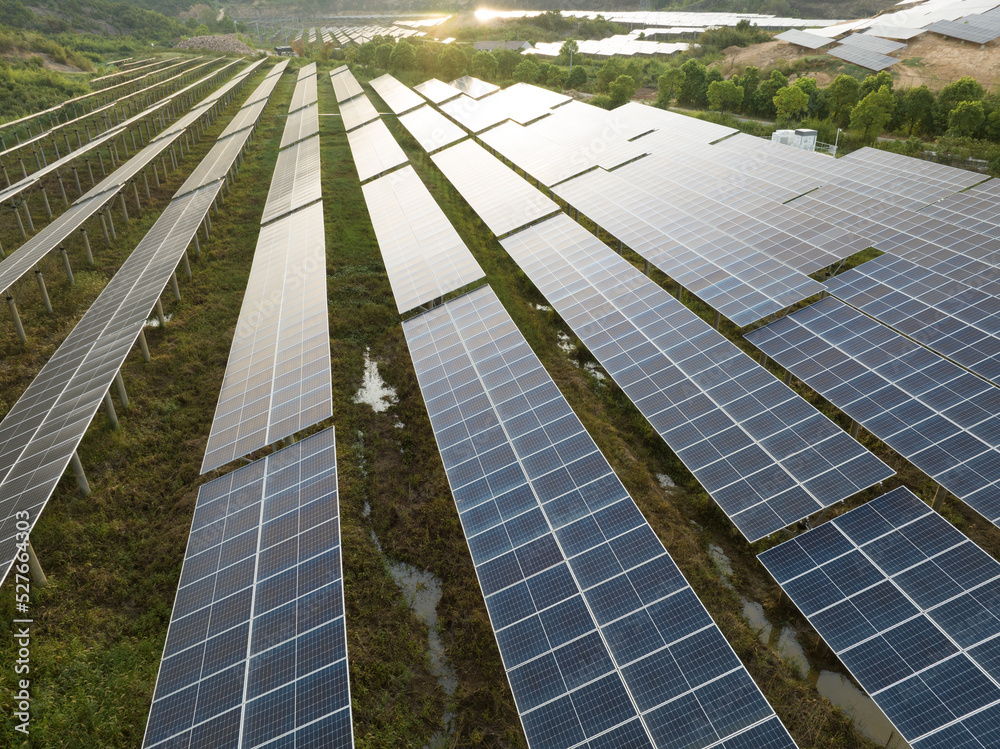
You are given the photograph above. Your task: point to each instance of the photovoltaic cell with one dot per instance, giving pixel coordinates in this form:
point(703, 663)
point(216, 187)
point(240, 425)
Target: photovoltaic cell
point(935, 414)
point(374, 150)
point(296, 180)
point(603, 641)
point(436, 91)
point(955, 320)
point(503, 200)
point(909, 605)
point(741, 283)
point(345, 86)
point(256, 652)
point(765, 456)
point(300, 125)
point(357, 112)
point(431, 129)
point(424, 256)
point(397, 97)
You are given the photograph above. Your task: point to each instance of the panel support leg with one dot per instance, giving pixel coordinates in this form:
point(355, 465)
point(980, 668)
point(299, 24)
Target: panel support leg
point(81, 477)
point(109, 406)
point(855, 428)
point(43, 290)
point(939, 497)
point(176, 287)
point(35, 567)
point(17, 318)
point(66, 263)
point(86, 246)
point(144, 347)
point(159, 314)
point(788, 377)
point(718, 319)
point(122, 395)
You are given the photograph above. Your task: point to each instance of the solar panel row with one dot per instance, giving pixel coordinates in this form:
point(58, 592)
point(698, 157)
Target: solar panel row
point(431, 129)
point(935, 414)
point(397, 97)
point(910, 606)
point(863, 57)
point(345, 85)
point(436, 91)
point(603, 641)
point(374, 150)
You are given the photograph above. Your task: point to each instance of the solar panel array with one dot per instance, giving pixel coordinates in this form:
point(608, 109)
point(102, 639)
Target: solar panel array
point(424, 256)
point(935, 414)
point(300, 125)
point(602, 639)
point(42, 430)
point(256, 652)
point(910, 606)
point(765, 456)
point(374, 149)
point(862, 57)
point(436, 91)
point(431, 129)
point(741, 283)
point(474, 87)
point(803, 39)
point(504, 201)
point(278, 379)
point(949, 317)
point(871, 43)
point(345, 86)
point(521, 103)
point(397, 97)
point(968, 32)
point(357, 112)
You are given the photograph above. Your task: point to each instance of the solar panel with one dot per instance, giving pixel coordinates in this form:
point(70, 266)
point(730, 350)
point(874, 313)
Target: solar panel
point(397, 97)
point(437, 91)
point(474, 87)
point(246, 117)
point(871, 43)
point(305, 72)
point(935, 414)
point(862, 57)
point(969, 32)
point(804, 39)
point(357, 112)
point(741, 283)
point(345, 86)
point(256, 652)
point(305, 94)
point(278, 380)
point(374, 150)
point(424, 256)
point(300, 125)
point(765, 456)
point(431, 129)
point(504, 201)
point(519, 103)
point(601, 637)
point(957, 321)
point(909, 605)
point(296, 180)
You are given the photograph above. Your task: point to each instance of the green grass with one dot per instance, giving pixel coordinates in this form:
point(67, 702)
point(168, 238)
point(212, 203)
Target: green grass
point(113, 559)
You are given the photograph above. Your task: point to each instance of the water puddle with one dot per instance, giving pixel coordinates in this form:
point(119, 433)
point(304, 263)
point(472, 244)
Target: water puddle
point(422, 591)
point(373, 390)
point(154, 322)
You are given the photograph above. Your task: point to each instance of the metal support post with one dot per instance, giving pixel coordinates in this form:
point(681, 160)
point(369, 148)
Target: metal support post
point(187, 265)
point(45, 200)
point(17, 318)
point(197, 247)
point(20, 223)
point(121, 201)
point(35, 567)
point(109, 407)
point(27, 215)
point(135, 194)
point(855, 428)
point(718, 319)
point(143, 347)
point(86, 246)
point(175, 285)
point(159, 314)
point(43, 290)
point(788, 377)
point(120, 385)
point(156, 175)
point(104, 229)
point(145, 181)
point(646, 271)
point(66, 263)
point(76, 176)
point(939, 497)
point(111, 224)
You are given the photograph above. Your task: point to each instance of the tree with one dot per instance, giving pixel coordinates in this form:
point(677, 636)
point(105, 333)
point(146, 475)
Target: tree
point(841, 97)
point(382, 56)
point(403, 57)
point(366, 54)
point(790, 104)
point(966, 119)
point(873, 113)
point(712, 76)
point(668, 84)
point(763, 99)
point(917, 113)
point(201, 30)
point(452, 63)
point(749, 81)
point(484, 65)
point(807, 84)
point(609, 72)
point(725, 96)
point(526, 72)
point(556, 77)
point(567, 50)
point(507, 60)
point(693, 82)
point(964, 89)
point(622, 89)
point(426, 58)
point(577, 78)
point(874, 82)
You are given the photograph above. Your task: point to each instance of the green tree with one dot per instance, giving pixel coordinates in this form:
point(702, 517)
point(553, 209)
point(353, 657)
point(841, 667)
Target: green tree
point(712, 76)
point(966, 119)
point(484, 65)
point(403, 57)
point(507, 60)
point(366, 54)
point(383, 55)
point(693, 83)
point(426, 58)
point(725, 96)
point(201, 30)
point(790, 104)
point(566, 52)
point(993, 125)
point(874, 82)
point(917, 113)
point(622, 89)
point(668, 84)
point(452, 63)
point(749, 81)
point(556, 77)
point(609, 72)
point(842, 97)
point(526, 72)
point(577, 78)
point(807, 84)
point(964, 89)
point(873, 113)
point(763, 99)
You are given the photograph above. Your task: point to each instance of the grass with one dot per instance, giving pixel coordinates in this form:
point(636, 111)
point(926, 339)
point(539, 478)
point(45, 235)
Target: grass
point(113, 559)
